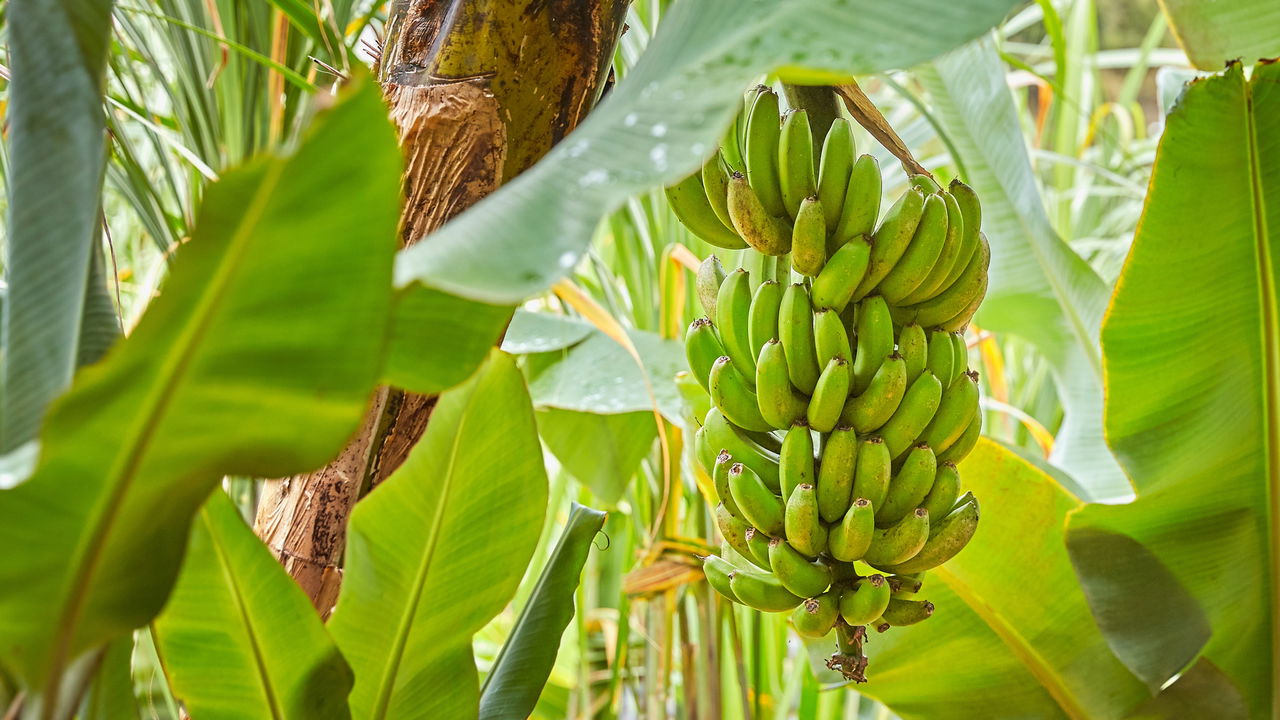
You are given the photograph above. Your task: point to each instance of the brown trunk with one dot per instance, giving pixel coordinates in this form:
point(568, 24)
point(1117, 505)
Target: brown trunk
point(480, 90)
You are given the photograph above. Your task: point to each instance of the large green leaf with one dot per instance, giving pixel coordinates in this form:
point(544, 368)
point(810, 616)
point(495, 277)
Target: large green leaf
point(57, 53)
point(601, 451)
point(513, 685)
point(240, 639)
point(438, 549)
point(256, 360)
point(1192, 348)
point(438, 339)
point(1040, 289)
point(1213, 33)
point(664, 118)
point(599, 376)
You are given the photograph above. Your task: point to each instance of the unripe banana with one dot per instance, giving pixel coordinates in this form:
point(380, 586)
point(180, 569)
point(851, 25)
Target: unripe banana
point(702, 348)
point(835, 474)
point(731, 147)
point(942, 356)
point(899, 542)
point(809, 238)
point(688, 200)
point(960, 298)
point(833, 170)
point(866, 601)
point(960, 320)
point(909, 486)
point(829, 396)
point(946, 539)
point(722, 435)
point(961, 351)
point(702, 450)
point(715, 182)
point(874, 468)
point(962, 447)
point(926, 183)
point(758, 504)
point(716, 570)
point(795, 163)
point(900, 613)
point(734, 531)
point(762, 230)
point(971, 211)
point(955, 412)
point(905, 584)
point(795, 462)
point(795, 331)
point(942, 496)
point(873, 408)
point(891, 239)
point(817, 616)
point(830, 337)
point(850, 539)
point(762, 319)
point(804, 529)
point(733, 313)
point(797, 573)
point(781, 405)
point(912, 416)
point(720, 478)
point(913, 346)
point(731, 393)
point(951, 248)
point(696, 400)
point(874, 332)
point(764, 135)
point(861, 204)
point(920, 256)
point(710, 275)
point(762, 591)
point(844, 270)
point(758, 547)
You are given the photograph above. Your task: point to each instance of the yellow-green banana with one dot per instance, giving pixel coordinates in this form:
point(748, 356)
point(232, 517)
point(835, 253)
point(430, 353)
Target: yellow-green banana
point(919, 404)
point(833, 287)
point(961, 351)
point(716, 569)
point(809, 238)
point(909, 486)
point(942, 356)
point(795, 462)
point(971, 211)
point(758, 546)
point(891, 239)
point(861, 204)
point(758, 504)
point(829, 396)
point(781, 405)
point(866, 601)
point(762, 320)
point(961, 298)
point(804, 529)
point(762, 230)
point(960, 320)
point(689, 202)
point(926, 183)
point(734, 530)
point(764, 134)
point(701, 348)
point(830, 337)
point(735, 398)
point(795, 163)
point(955, 412)
point(921, 254)
point(874, 468)
point(797, 573)
point(710, 276)
point(905, 584)
point(899, 542)
point(962, 447)
point(946, 539)
point(851, 537)
point(901, 612)
point(942, 496)
point(762, 591)
point(720, 478)
point(913, 346)
point(874, 333)
point(722, 435)
point(835, 473)
point(715, 182)
point(795, 331)
point(817, 616)
point(873, 408)
point(833, 170)
point(733, 312)
point(952, 244)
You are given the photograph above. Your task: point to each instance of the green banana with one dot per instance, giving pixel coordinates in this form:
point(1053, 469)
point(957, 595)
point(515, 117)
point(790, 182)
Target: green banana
point(758, 504)
point(716, 569)
point(795, 331)
point(809, 238)
point(833, 170)
point(946, 539)
point(919, 404)
point(942, 356)
point(942, 496)
point(835, 473)
point(866, 601)
point(971, 211)
point(962, 447)
point(891, 239)
point(861, 204)
point(688, 200)
point(833, 287)
point(762, 318)
point(702, 348)
point(764, 135)
point(715, 182)
point(758, 547)
point(781, 405)
point(735, 398)
point(874, 468)
point(803, 528)
point(795, 163)
point(874, 333)
point(816, 617)
point(959, 405)
point(960, 320)
point(734, 530)
point(850, 539)
point(733, 312)
point(899, 542)
point(926, 183)
point(913, 345)
point(731, 149)
point(952, 245)
point(909, 486)
point(960, 350)
point(921, 254)
point(797, 573)
point(829, 396)
point(762, 230)
point(722, 435)
point(695, 398)
point(907, 612)
point(720, 478)
point(710, 276)
point(702, 450)
point(905, 584)
point(875, 405)
point(830, 337)
point(795, 462)
point(762, 591)
point(963, 296)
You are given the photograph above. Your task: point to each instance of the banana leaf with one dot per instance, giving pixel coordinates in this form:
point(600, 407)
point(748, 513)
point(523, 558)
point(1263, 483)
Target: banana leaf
point(438, 340)
point(1214, 33)
point(1192, 349)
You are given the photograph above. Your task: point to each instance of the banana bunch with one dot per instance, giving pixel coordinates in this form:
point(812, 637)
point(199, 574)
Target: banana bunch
point(834, 409)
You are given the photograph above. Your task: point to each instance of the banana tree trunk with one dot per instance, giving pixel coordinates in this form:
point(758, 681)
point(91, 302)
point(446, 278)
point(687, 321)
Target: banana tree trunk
point(480, 90)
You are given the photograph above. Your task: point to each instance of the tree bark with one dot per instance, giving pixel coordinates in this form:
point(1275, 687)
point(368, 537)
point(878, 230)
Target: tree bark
point(480, 90)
